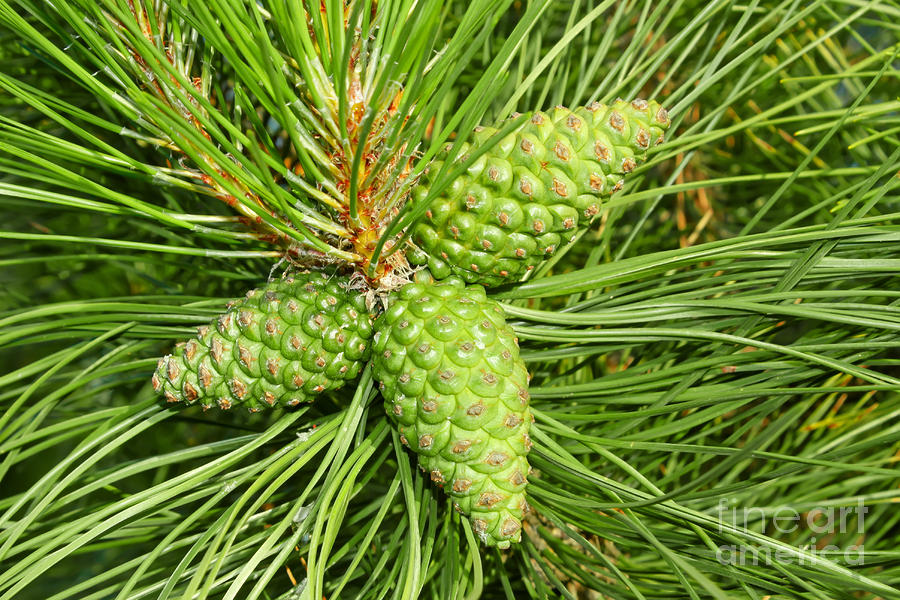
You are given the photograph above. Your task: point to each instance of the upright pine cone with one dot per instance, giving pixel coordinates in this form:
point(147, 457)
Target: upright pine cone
point(532, 191)
point(455, 387)
point(284, 343)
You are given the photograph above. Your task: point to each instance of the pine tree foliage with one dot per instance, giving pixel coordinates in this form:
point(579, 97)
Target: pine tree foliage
point(724, 335)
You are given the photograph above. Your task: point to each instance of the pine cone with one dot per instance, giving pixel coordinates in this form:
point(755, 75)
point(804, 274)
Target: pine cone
point(457, 391)
point(532, 191)
point(283, 344)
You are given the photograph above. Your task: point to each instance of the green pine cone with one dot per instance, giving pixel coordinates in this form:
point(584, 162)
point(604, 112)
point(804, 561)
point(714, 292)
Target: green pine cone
point(456, 389)
point(533, 191)
point(283, 344)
